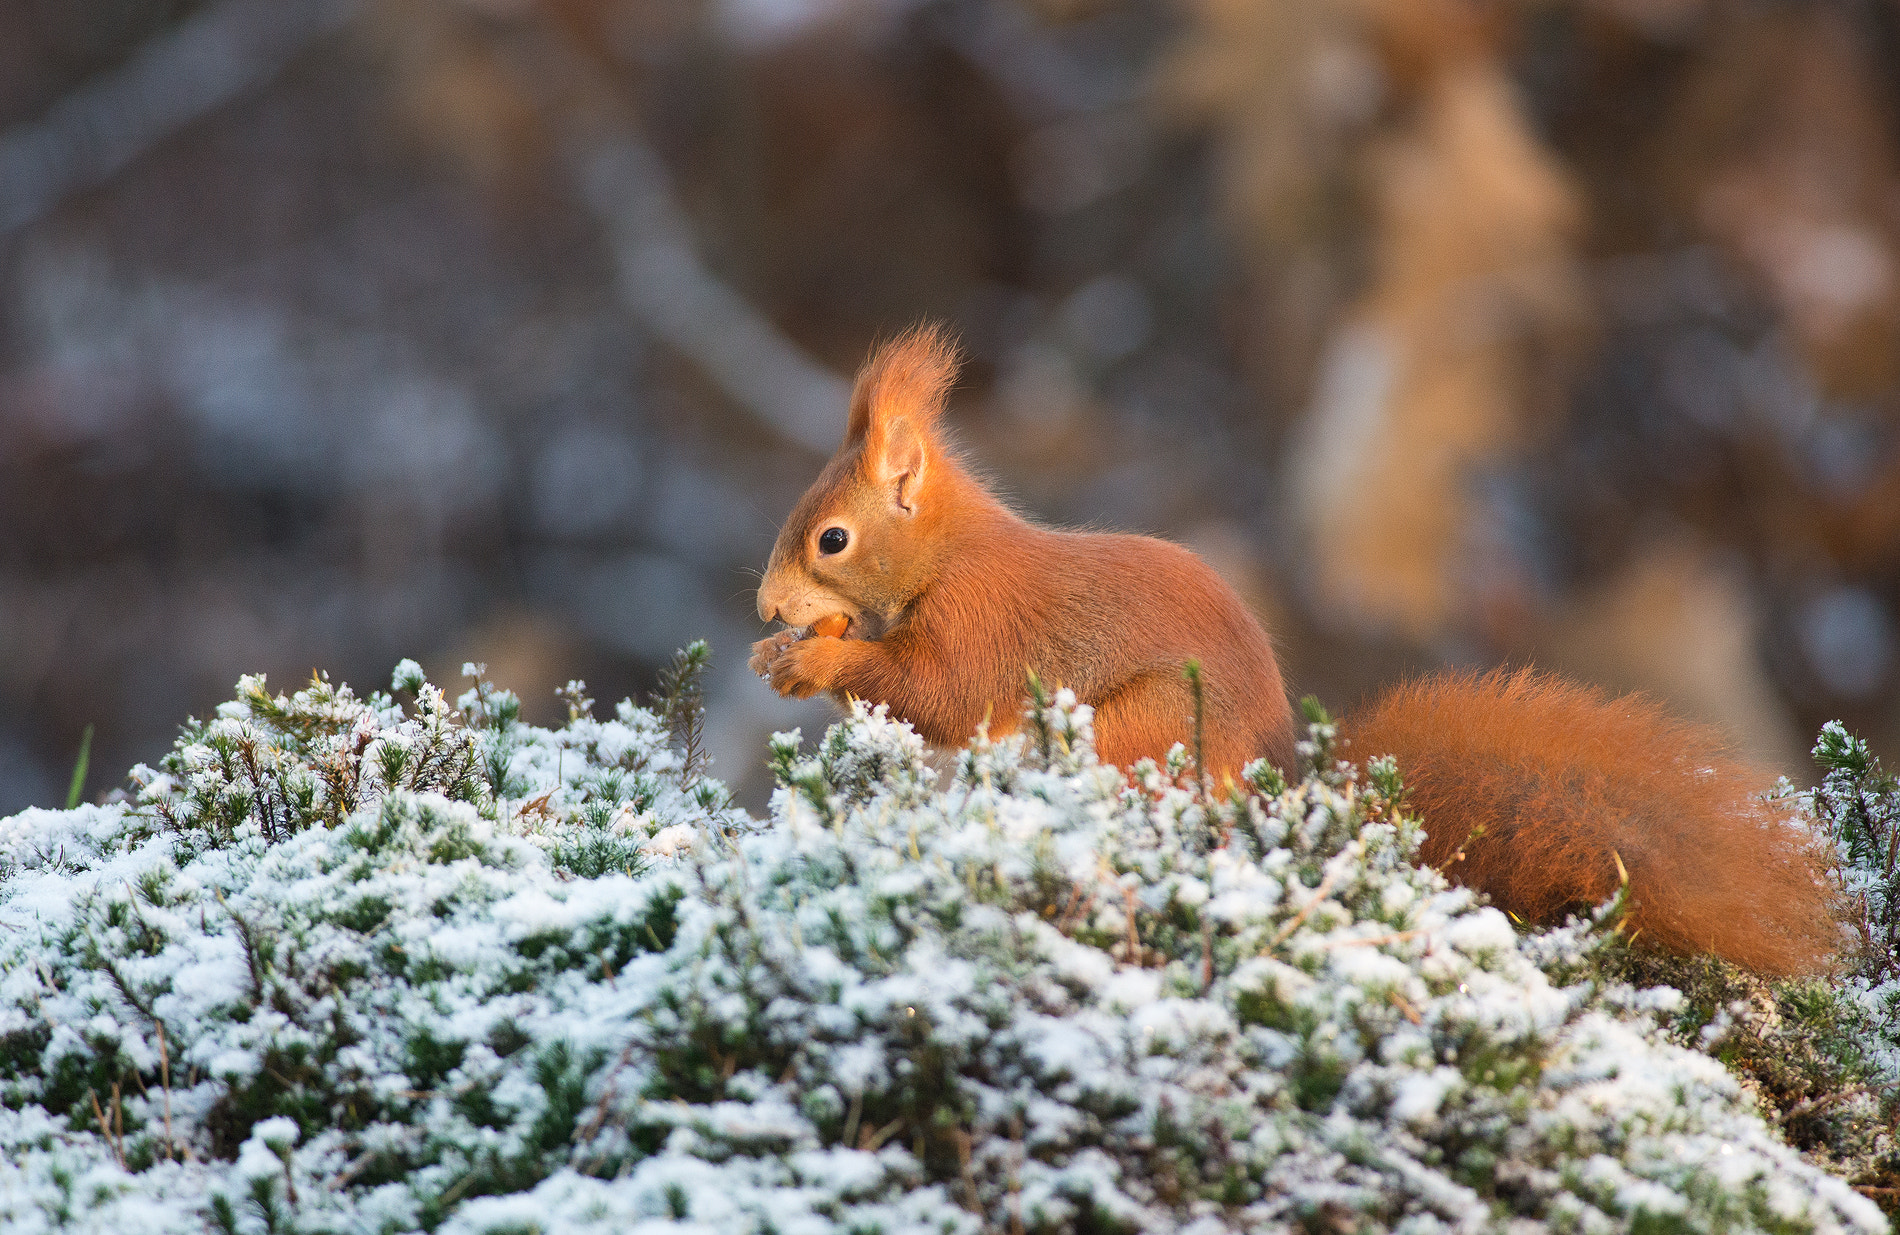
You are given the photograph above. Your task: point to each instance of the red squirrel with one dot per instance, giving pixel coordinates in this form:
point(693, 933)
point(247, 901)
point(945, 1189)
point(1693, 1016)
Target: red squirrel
point(931, 596)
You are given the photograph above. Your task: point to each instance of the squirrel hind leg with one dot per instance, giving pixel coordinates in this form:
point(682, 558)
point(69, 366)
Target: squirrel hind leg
point(1146, 717)
point(1142, 719)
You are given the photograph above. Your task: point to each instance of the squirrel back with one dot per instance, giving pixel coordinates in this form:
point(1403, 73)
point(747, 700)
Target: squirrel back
point(905, 582)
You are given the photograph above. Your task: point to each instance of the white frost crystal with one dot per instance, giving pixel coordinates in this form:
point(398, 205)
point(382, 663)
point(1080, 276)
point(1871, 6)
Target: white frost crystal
point(346, 966)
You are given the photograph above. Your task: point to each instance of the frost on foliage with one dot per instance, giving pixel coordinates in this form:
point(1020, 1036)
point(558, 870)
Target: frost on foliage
point(1858, 805)
point(513, 979)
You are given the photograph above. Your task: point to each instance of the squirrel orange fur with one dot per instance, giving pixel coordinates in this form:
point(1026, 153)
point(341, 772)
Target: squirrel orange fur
point(1532, 789)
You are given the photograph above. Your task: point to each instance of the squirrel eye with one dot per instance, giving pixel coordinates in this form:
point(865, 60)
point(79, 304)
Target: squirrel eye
point(834, 540)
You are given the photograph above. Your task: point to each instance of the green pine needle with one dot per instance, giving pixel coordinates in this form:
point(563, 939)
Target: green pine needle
point(79, 769)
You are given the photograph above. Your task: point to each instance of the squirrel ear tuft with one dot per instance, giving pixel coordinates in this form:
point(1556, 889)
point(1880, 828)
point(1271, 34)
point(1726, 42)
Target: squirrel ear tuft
point(907, 379)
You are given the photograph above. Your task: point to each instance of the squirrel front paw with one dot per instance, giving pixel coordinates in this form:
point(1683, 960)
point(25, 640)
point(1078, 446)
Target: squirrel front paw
point(767, 650)
point(804, 667)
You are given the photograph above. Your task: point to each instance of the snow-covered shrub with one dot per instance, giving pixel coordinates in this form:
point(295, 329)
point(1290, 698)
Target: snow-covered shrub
point(354, 966)
point(1857, 806)
point(1858, 802)
point(1825, 1056)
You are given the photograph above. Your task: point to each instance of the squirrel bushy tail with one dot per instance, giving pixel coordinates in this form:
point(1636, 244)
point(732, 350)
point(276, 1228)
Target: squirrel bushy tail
point(1531, 788)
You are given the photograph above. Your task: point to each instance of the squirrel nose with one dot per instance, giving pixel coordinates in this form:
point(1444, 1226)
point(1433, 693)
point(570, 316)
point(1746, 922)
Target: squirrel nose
point(771, 598)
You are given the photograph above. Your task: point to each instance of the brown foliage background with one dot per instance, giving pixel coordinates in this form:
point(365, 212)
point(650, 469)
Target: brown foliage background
point(1550, 331)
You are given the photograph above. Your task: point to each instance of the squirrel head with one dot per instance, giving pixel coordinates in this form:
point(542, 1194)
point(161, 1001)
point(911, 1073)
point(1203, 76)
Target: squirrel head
point(863, 539)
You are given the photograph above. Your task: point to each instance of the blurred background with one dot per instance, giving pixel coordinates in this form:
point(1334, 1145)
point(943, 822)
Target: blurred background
point(1562, 332)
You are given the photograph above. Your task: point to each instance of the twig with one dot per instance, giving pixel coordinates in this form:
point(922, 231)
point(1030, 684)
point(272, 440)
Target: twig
point(1371, 941)
point(1077, 907)
point(535, 806)
point(1016, 1175)
point(165, 1080)
point(1820, 1103)
point(583, 1136)
point(250, 946)
point(852, 1116)
point(105, 1130)
point(971, 1200)
point(870, 1141)
point(1319, 894)
point(448, 1195)
point(125, 987)
point(355, 1168)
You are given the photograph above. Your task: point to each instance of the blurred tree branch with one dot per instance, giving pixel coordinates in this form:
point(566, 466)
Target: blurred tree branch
point(206, 61)
point(663, 282)
point(220, 53)
point(658, 272)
